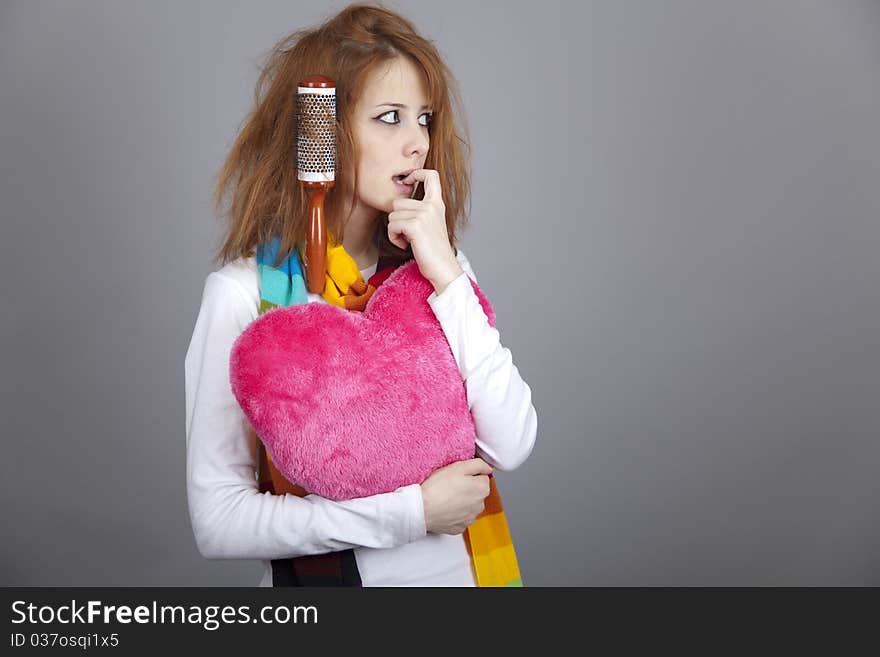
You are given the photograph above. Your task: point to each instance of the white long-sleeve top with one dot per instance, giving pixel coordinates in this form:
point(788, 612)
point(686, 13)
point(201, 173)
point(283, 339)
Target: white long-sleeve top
point(231, 519)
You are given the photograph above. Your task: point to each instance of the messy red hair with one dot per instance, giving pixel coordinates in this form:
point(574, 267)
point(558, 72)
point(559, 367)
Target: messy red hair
point(258, 178)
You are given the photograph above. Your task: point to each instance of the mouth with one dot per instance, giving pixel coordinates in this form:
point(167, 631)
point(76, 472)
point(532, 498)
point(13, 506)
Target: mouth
point(398, 182)
point(402, 175)
point(402, 188)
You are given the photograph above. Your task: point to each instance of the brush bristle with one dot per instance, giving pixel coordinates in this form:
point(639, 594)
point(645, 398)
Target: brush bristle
point(316, 134)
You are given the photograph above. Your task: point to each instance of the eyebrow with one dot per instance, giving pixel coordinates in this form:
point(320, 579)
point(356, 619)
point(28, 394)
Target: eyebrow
point(401, 105)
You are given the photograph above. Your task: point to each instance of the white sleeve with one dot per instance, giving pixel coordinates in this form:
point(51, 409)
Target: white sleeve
point(230, 518)
point(500, 401)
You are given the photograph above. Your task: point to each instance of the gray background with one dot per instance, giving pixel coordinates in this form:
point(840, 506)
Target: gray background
point(697, 183)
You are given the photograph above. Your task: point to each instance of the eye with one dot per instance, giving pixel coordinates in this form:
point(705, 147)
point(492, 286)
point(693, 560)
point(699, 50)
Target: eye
point(429, 116)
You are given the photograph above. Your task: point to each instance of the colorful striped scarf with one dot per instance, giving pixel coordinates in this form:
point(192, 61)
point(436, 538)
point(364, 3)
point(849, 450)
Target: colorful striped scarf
point(487, 539)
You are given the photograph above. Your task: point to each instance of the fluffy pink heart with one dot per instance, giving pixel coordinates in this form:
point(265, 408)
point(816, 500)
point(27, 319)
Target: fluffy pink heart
point(352, 404)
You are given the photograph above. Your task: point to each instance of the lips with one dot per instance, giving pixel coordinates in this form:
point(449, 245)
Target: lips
point(403, 188)
point(401, 176)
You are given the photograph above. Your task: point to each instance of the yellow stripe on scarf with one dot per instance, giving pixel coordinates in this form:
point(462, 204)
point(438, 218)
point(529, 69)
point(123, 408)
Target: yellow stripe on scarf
point(344, 286)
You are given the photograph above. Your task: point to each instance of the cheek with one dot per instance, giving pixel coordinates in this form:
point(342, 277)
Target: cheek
point(374, 144)
point(367, 164)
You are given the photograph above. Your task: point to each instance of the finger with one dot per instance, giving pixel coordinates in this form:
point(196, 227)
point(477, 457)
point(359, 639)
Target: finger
point(402, 215)
point(481, 485)
point(431, 180)
point(432, 186)
point(400, 243)
point(399, 232)
point(415, 174)
point(476, 466)
point(397, 235)
point(406, 204)
point(488, 468)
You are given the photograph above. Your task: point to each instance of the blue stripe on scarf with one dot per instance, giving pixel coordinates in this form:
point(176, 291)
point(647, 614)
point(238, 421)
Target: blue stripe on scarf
point(283, 285)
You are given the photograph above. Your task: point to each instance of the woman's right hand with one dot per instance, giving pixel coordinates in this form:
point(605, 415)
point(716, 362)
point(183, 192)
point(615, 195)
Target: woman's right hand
point(453, 495)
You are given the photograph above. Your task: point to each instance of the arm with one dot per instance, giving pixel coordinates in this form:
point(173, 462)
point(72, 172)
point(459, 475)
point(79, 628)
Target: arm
point(499, 399)
point(231, 519)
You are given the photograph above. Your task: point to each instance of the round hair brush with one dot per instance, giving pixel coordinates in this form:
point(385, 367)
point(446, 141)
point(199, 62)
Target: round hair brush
point(316, 167)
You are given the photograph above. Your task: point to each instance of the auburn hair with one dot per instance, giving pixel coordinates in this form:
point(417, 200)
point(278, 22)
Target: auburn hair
point(257, 191)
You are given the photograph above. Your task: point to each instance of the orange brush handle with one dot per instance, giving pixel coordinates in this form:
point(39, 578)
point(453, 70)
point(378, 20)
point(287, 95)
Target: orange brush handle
point(316, 239)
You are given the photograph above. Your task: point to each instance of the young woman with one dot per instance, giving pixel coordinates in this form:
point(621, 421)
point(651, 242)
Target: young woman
point(394, 116)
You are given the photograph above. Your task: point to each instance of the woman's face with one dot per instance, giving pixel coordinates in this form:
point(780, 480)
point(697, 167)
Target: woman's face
point(391, 140)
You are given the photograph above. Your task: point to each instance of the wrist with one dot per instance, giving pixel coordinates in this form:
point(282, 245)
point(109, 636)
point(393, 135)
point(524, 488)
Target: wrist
point(426, 509)
point(448, 275)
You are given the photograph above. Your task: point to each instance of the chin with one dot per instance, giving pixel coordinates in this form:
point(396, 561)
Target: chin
point(386, 205)
point(377, 204)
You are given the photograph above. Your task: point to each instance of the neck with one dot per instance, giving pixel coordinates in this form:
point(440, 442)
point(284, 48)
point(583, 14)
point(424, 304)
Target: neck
point(360, 239)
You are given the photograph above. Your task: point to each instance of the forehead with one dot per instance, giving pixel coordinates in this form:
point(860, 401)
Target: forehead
point(398, 81)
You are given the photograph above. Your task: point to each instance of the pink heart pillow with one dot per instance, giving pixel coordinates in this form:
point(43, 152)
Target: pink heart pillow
point(352, 404)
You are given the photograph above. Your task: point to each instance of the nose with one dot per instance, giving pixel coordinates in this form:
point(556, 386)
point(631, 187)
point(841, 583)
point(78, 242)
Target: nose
point(417, 142)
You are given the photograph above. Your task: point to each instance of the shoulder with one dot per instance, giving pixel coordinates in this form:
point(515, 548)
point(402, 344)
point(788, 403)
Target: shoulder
point(241, 274)
point(232, 292)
